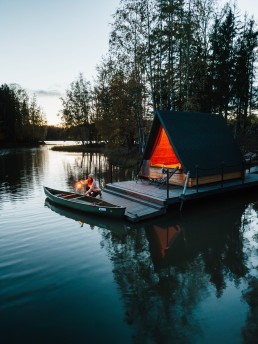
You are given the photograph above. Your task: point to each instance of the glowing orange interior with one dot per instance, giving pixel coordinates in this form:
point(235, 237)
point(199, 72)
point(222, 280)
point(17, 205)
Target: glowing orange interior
point(163, 154)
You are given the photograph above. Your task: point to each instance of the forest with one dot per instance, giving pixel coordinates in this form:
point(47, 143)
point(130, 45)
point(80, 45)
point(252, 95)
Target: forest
point(21, 119)
point(163, 54)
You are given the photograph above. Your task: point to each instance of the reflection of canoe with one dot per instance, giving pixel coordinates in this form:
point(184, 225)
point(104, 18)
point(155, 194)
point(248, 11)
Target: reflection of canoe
point(118, 227)
point(84, 203)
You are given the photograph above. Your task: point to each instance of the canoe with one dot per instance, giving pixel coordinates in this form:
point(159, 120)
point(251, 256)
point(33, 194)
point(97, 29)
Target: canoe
point(84, 203)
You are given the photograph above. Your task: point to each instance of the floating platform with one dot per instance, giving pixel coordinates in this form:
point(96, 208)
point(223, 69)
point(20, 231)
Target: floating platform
point(144, 200)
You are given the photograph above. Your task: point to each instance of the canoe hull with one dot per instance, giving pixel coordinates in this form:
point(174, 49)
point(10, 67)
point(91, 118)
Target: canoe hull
point(84, 203)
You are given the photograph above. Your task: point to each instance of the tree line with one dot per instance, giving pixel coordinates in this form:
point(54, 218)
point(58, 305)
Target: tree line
point(21, 119)
point(171, 55)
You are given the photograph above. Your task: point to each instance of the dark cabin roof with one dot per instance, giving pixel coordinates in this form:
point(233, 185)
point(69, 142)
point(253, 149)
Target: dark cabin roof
point(197, 139)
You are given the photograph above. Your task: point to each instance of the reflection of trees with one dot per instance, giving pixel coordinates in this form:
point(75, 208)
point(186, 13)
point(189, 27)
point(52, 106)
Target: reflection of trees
point(250, 331)
point(158, 305)
point(250, 295)
point(163, 290)
point(20, 171)
point(96, 163)
point(83, 164)
point(215, 235)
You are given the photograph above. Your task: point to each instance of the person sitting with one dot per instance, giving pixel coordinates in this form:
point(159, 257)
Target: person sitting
point(92, 188)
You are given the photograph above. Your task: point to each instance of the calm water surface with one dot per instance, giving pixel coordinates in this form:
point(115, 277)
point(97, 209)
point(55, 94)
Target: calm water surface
point(71, 278)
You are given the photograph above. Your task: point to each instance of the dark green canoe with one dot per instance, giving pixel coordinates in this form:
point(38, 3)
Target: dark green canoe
point(84, 203)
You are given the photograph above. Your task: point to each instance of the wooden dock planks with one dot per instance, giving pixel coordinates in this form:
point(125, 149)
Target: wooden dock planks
point(135, 209)
point(144, 200)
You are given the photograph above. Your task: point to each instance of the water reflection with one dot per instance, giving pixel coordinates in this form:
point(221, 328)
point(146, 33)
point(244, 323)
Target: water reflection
point(216, 236)
point(118, 228)
point(181, 277)
point(250, 295)
point(166, 244)
point(20, 171)
point(81, 165)
point(166, 269)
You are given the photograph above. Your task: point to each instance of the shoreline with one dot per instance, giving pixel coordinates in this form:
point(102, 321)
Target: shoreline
point(117, 156)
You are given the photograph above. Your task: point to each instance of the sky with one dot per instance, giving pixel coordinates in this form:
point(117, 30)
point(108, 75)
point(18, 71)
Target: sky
point(45, 44)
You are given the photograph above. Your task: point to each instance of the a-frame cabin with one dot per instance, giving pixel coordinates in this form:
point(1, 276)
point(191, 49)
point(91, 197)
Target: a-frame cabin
point(198, 143)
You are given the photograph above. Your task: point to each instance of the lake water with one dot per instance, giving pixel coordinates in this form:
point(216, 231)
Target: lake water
point(71, 278)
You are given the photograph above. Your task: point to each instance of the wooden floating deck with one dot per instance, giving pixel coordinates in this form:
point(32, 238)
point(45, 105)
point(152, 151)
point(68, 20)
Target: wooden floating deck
point(144, 200)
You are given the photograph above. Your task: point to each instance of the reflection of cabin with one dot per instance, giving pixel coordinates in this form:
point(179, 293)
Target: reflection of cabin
point(198, 143)
point(166, 237)
point(165, 244)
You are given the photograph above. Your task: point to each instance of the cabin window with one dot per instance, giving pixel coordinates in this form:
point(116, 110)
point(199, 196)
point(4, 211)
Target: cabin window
point(163, 154)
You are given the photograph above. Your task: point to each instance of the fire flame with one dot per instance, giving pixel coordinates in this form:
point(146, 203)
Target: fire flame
point(78, 186)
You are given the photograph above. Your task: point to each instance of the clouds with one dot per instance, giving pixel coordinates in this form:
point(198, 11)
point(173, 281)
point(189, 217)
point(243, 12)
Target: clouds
point(47, 93)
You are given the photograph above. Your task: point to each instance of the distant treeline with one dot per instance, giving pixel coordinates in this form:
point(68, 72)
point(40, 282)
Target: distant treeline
point(59, 133)
point(55, 133)
point(21, 119)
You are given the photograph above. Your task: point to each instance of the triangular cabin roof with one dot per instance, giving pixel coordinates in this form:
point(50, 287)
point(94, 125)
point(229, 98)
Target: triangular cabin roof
point(191, 139)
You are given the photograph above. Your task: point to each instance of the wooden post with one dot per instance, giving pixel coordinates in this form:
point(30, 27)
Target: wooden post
point(184, 191)
point(186, 182)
